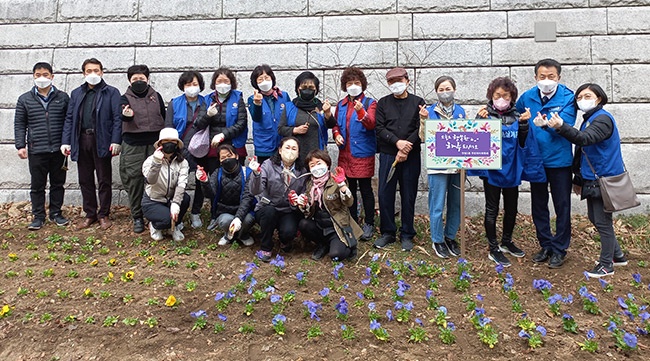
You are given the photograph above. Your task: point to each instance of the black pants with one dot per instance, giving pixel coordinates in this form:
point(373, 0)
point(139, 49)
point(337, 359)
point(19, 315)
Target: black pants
point(210, 164)
point(407, 173)
point(88, 164)
point(367, 196)
point(40, 166)
point(158, 212)
point(131, 159)
point(510, 199)
point(328, 237)
point(609, 246)
point(559, 180)
point(270, 220)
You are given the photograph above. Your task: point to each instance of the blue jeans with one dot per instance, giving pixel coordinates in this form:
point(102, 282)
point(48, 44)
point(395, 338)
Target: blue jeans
point(441, 186)
point(560, 181)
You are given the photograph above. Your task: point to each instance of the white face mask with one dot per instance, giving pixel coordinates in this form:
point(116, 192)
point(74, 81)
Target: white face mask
point(222, 88)
point(318, 171)
point(93, 79)
point(42, 82)
point(397, 88)
point(192, 91)
point(289, 155)
point(586, 104)
point(265, 86)
point(547, 86)
point(354, 90)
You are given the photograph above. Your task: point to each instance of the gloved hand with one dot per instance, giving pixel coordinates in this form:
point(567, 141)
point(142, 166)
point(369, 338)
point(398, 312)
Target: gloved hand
point(254, 165)
point(212, 110)
point(293, 198)
point(235, 225)
point(127, 111)
point(115, 149)
point(339, 176)
point(65, 149)
point(158, 155)
point(174, 210)
point(302, 200)
point(217, 139)
point(540, 120)
point(201, 174)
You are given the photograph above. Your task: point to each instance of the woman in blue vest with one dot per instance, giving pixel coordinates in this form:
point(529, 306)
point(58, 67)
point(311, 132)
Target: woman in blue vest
point(501, 95)
point(226, 116)
point(266, 106)
point(228, 190)
point(597, 142)
point(182, 112)
point(306, 117)
point(354, 133)
point(444, 183)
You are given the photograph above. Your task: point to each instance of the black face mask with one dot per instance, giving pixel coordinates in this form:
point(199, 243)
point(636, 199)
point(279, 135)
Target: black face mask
point(139, 86)
point(230, 165)
point(307, 94)
point(169, 147)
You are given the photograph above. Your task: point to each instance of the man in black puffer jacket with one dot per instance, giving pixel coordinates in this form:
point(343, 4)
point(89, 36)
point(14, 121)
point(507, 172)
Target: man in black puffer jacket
point(38, 125)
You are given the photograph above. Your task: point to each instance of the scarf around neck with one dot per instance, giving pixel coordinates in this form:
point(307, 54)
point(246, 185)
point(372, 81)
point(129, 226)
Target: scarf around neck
point(308, 105)
point(318, 186)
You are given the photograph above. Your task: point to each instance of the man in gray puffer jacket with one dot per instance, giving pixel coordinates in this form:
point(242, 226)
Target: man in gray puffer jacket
point(38, 126)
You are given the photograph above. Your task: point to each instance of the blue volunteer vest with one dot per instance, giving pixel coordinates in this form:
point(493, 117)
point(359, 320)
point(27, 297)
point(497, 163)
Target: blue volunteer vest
point(605, 156)
point(231, 108)
point(179, 105)
point(363, 142)
point(292, 112)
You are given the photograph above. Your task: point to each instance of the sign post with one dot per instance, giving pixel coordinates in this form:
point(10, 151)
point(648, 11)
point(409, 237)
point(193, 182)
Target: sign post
point(463, 144)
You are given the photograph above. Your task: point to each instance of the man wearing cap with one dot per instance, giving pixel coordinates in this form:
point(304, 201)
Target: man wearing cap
point(398, 125)
point(38, 124)
point(92, 134)
point(165, 201)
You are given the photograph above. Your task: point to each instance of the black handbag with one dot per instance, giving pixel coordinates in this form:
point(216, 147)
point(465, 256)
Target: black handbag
point(617, 191)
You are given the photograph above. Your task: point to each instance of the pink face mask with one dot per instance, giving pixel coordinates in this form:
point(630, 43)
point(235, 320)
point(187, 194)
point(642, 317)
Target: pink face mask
point(501, 104)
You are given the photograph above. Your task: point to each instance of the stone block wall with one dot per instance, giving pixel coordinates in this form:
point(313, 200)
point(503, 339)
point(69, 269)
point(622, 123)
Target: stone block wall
point(602, 41)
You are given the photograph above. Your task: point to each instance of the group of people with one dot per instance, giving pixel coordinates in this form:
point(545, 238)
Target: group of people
point(289, 185)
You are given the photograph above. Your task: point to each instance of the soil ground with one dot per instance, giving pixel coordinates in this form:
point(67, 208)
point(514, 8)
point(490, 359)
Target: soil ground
point(62, 301)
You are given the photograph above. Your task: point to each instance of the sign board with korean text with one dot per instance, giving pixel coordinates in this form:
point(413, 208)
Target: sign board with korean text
point(463, 144)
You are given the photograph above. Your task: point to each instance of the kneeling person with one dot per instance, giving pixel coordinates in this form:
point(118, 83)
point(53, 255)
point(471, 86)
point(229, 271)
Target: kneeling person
point(326, 205)
point(231, 197)
point(166, 171)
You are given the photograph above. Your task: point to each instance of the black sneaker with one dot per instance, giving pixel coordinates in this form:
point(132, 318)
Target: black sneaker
point(407, 244)
point(59, 219)
point(320, 252)
point(36, 224)
point(384, 241)
point(138, 225)
point(441, 249)
point(556, 261)
point(453, 247)
point(620, 261)
point(368, 231)
point(600, 271)
point(509, 247)
point(542, 256)
point(499, 258)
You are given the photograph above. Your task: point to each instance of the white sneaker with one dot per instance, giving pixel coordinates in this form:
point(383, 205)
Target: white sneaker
point(223, 241)
point(177, 235)
point(248, 241)
point(196, 220)
point(180, 226)
point(156, 234)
